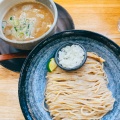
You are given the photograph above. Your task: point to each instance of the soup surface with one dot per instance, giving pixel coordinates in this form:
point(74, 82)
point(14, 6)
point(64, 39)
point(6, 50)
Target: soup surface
point(27, 21)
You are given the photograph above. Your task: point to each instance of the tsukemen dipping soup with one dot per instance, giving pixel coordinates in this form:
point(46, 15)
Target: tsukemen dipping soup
point(27, 21)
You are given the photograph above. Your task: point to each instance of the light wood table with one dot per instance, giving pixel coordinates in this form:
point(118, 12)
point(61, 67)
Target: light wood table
point(95, 15)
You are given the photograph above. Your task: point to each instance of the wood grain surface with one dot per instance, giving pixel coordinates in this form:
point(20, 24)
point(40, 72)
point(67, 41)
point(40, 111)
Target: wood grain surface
point(100, 16)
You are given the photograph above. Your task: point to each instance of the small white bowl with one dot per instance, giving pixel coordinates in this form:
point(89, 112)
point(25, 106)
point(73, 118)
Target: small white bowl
point(5, 5)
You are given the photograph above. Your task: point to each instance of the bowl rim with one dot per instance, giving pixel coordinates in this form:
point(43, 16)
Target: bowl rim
point(76, 67)
point(41, 37)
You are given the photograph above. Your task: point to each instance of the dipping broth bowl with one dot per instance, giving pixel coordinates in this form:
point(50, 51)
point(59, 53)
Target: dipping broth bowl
point(5, 6)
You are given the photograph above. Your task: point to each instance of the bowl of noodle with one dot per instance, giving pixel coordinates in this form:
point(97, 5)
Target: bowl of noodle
point(90, 92)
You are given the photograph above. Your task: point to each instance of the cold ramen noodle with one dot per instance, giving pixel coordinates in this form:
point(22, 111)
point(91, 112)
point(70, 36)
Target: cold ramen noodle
point(27, 21)
point(81, 94)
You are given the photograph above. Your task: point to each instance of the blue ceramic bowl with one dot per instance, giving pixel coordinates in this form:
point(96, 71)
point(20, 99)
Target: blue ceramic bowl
point(32, 82)
point(76, 67)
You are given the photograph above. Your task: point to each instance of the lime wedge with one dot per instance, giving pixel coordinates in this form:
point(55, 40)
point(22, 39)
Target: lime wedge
point(52, 65)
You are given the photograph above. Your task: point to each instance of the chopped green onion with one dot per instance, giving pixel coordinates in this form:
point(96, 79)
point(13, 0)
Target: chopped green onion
point(4, 24)
point(27, 20)
point(28, 26)
point(30, 34)
point(21, 28)
point(15, 29)
point(26, 33)
point(21, 35)
point(16, 22)
point(11, 18)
